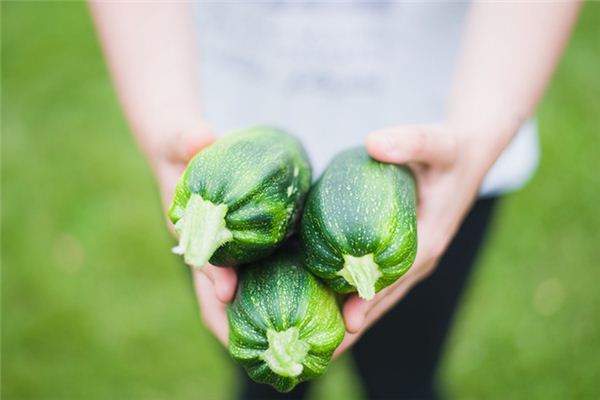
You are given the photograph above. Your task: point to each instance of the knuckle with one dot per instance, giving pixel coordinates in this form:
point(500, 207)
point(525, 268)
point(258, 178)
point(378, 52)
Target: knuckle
point(206, 321)
point(419, 141)
point(390, 141)
point(451, 148)
point(437, 250)
point(425, 272)
point(208, 273)
point(203, 319)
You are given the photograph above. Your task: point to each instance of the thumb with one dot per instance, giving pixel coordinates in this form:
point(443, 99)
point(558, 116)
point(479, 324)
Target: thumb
point(424, 144)
point(223, 279)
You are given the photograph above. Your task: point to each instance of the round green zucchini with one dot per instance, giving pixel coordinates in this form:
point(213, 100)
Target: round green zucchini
point(240, 197)
point(284, 324)
point(359, 224)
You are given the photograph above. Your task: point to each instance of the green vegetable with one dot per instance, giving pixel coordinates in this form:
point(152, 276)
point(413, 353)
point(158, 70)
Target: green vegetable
point(284, 324)
point(359, 224)
point(239, 198)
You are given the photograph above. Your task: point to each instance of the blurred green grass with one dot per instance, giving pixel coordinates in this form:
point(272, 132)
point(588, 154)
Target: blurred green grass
point(94, 305)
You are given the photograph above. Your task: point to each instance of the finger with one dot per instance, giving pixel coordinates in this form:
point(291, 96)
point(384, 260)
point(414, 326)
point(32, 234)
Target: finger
point(434, 227)
point(358, 313)
point(189, 141)
point(213, 312)
point(354, 311)
point(367, 312)
point(425, 144)
point(348, 341)
point(390, 300)
point(223, 279)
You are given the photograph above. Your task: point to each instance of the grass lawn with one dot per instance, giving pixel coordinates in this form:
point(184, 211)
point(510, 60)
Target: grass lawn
point(95, 306)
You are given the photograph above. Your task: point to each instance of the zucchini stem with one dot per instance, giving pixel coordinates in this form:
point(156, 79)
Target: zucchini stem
point(286, 352)
point(362, 273)
point(201, 231)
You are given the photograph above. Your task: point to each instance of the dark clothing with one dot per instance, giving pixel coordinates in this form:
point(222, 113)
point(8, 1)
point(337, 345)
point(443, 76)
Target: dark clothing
point(398, 357)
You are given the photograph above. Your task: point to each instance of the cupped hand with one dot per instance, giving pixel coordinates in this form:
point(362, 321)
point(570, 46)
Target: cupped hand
point(169, 155)
point(449, 164)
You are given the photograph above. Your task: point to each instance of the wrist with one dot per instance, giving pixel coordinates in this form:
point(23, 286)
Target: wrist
point(481, 140)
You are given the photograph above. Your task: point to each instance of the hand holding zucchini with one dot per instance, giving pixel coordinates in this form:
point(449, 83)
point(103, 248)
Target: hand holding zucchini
point(284, 324)
point(359, 224)
point(238, 199)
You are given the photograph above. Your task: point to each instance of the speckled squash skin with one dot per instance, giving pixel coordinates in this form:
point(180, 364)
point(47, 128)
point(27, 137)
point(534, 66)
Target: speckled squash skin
point(262, 175)
point(359, 207)
point(279, 294)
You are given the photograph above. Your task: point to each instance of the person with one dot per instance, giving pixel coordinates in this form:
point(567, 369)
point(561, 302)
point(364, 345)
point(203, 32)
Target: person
point(346, 74)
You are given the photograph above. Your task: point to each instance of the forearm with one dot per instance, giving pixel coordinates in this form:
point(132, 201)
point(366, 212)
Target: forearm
point(508, 54)
point(152, 59)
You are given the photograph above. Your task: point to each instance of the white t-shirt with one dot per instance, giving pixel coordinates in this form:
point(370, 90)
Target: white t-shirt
point(332, 72)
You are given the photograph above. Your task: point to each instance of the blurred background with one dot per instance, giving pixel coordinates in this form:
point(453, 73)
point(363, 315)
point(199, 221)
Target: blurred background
point(95, 306)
